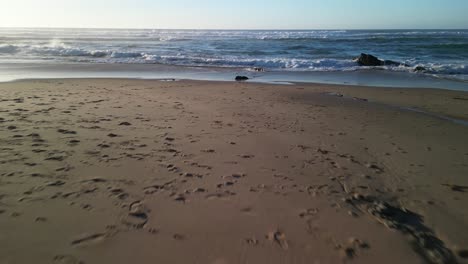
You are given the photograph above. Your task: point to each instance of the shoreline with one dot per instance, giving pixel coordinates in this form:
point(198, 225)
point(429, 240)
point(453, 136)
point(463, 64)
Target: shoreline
point(364, 77)
point(120, 170)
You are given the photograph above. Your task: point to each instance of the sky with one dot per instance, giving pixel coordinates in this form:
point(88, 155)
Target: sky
point(236, 14)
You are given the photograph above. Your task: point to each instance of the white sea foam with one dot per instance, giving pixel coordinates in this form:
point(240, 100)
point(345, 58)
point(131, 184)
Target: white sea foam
point(8, 49)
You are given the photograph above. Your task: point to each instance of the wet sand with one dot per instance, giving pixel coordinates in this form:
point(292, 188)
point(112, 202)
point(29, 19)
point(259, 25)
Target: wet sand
point(147, 171)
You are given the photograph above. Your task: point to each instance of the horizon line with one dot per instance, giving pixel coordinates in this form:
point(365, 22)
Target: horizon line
point(227, 29)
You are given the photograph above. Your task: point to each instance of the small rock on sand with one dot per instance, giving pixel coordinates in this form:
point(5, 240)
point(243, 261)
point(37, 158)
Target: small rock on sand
point(241, 78)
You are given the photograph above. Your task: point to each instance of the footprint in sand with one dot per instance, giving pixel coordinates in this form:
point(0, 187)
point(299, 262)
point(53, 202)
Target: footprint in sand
point(351, 250)
point(119, 193)
point(374, 167)
point(456, 188)
point(66, 259)
point(66, 131)
point(225, 184)
point(348, 252)
point(252, 241)
point(309, 213)
point(86, 238)
point(137, 216)
point(73, 142)
point(56, 183)
point(180, 198)
point(56, 158)
point(199, 190)
point(40, 219)
point(279, 238)
point(235, 176)
point(178, 237)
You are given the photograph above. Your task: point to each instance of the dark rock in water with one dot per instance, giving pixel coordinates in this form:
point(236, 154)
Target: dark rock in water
point(242, 78)
point(391, 63)
point(258, 69)
point(419, 69)
point(369, 60)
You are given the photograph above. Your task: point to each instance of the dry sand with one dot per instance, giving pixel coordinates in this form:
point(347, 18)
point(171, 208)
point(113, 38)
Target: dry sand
point(138, 171)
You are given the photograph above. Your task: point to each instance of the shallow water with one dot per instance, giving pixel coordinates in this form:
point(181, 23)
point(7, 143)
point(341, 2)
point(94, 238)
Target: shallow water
point(10, 72)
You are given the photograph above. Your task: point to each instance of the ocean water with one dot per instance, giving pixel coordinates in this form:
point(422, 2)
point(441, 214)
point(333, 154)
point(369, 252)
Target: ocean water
point(444, 53)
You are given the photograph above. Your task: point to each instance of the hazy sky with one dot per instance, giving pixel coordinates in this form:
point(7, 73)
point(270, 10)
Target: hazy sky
point(236, 14)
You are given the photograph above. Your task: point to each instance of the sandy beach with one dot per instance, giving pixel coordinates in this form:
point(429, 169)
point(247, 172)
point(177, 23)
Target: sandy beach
point(147, 171)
